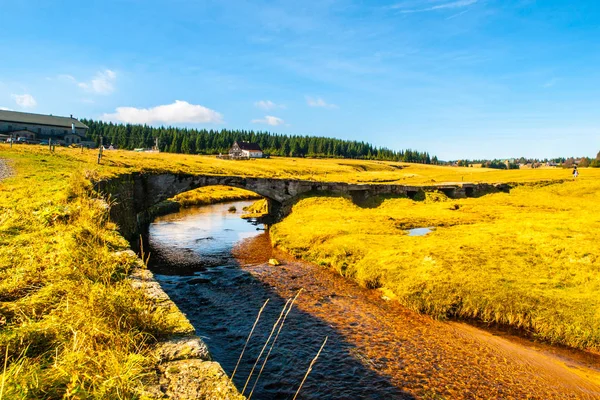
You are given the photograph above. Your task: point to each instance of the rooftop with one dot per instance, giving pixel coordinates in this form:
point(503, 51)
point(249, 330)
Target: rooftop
point(249, 146)
point(39, 119)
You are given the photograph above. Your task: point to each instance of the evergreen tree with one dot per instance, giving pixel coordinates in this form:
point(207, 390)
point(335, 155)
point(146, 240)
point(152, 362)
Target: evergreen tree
point(193, 141)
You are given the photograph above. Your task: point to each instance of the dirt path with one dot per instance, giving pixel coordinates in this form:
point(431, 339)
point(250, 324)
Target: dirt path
point(5, 170)
point(428, 358)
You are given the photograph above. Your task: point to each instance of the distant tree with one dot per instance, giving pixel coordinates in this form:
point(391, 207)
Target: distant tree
point(585, 162)
point(596, 163)
point(568, 163)
point(294, 149)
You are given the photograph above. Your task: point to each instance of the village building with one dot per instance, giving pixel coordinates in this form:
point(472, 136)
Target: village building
point(38, 127)
point(245, 150)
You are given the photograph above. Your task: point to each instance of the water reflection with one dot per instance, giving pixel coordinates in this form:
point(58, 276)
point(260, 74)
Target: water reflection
point(194, 265)
point(419, 231)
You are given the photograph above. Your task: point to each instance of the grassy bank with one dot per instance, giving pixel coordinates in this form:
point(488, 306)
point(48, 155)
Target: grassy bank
point(213, 194)
point(117, 162)
point(72, 327)
point(200, 197)
point(71, 324)
point(529, 259)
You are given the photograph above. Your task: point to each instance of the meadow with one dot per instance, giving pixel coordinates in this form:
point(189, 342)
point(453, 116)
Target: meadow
point(528, 259)
point(117, 162)
point(72, 326)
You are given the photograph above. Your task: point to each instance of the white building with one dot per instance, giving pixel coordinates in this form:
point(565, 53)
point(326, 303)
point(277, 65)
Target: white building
point(245, 150)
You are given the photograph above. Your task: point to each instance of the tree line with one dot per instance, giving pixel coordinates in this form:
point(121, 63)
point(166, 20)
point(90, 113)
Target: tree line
point(202, 141)
point(564, 162)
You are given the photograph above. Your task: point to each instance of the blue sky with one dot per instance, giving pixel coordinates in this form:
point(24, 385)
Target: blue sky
point(458, 78)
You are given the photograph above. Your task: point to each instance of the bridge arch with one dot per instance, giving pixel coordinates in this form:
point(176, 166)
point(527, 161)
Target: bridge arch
point(132, 196)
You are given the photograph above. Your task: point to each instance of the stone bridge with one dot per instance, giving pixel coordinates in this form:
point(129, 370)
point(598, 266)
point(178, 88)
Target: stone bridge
point(133, 195)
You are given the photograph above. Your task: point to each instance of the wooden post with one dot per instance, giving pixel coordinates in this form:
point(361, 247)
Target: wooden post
point(100, 150)
point(50, 144)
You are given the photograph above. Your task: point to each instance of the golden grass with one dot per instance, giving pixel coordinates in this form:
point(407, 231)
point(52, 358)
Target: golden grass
point(257, 209)
point(213, 194)
point(71, 324)
point(529, 259)
point(332, 170)
point(73, 327)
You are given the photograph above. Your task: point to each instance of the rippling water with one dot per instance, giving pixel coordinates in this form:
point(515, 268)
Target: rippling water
point(194, 264)
point(213, 265)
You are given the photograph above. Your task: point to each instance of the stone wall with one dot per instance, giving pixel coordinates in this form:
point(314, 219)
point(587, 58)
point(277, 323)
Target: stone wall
point(185, 369)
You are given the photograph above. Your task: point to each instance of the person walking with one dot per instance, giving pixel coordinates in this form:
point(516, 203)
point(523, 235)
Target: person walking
point(575, 172)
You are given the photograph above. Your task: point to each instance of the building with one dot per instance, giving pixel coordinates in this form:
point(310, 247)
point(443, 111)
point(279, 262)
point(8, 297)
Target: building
point(36, 127)
point(245, 150)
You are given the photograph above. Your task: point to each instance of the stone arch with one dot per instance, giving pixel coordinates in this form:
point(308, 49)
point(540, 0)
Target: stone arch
point(131, 196)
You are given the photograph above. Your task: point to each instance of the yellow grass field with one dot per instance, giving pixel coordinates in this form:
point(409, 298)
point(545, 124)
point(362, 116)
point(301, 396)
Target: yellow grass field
point(116, 162)
point(213, 194)
point(529, 259)
point(72, 327)
point(71, 324)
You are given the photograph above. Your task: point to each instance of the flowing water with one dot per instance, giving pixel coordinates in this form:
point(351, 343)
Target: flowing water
point(214, 266)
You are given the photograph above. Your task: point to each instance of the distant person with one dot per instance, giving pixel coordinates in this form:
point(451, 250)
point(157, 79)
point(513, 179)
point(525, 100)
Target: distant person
point(575, 172)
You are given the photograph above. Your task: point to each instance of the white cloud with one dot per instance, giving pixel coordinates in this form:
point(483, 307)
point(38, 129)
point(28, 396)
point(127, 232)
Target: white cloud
point(550, 83)
point(178, 112)
point(269, 120)
point(267, 105)
point(102, 83)
point(5, 109)
point(24, 100)
point(66, 77)
point(319, 102)
point(450, 5)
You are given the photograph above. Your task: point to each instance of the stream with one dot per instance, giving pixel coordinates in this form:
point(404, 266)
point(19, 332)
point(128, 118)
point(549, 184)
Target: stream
point(213, 264)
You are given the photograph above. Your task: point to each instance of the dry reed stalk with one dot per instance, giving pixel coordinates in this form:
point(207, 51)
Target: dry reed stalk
point(4, 373)
point(266, 343)
point(312, 363)
point(273, 343)
point(248, 339)
point(142, 255)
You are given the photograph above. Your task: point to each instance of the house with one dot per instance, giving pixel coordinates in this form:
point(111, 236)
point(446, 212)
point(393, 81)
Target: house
point(245, 150)
point(66, 130)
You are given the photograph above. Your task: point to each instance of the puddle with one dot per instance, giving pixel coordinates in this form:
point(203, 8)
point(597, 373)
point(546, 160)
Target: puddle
point(419, 231)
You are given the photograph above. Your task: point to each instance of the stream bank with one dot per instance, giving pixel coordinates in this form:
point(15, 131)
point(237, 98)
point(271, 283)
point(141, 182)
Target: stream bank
point(214, 266)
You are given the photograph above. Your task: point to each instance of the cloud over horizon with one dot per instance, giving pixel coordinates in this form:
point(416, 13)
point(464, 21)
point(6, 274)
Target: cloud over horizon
point(24, 100)
point(178, 112)
point(267, 105)
point(319, 102)
point(102, 83)
point(269, 120)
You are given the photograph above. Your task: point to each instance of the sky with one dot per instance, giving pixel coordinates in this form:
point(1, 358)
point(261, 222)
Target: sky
point(457, 78)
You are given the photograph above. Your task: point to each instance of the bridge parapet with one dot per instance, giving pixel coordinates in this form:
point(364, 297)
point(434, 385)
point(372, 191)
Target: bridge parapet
point(133, 195)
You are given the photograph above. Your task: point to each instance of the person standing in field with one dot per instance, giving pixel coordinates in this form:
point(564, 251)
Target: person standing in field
point(575, 172)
